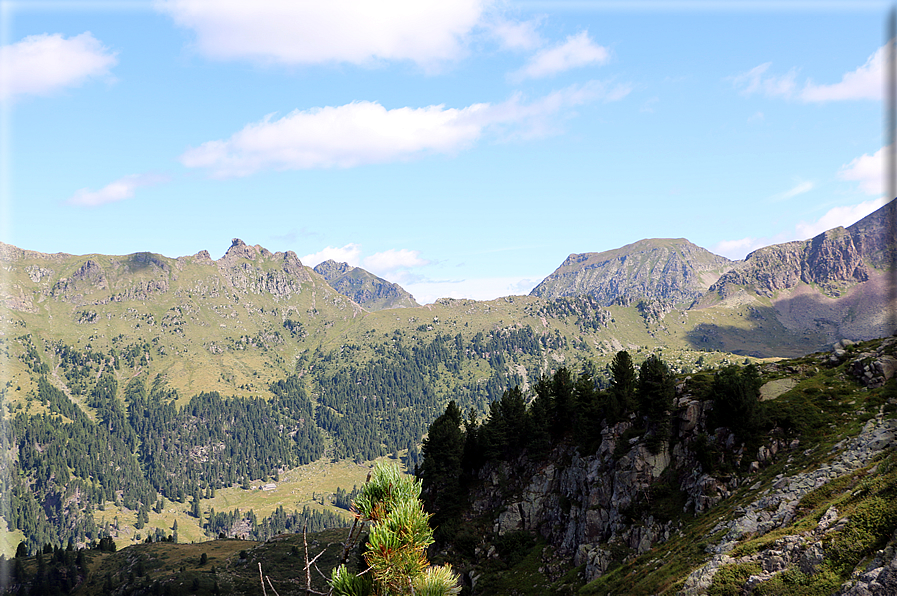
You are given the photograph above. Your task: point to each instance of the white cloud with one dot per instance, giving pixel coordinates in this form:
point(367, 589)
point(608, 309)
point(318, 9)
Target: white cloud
point(578, 51)
point(757, 81)
point(392, 259)
point(352, 31)
point(345, 136)
point(863, 83)
point(121, 189)
point(799, 189)
point(737, 249)
point(350, 253)
point(517, 36)
point(868, 170)
point(395, 261)
point(485, 288)
point(838, 216)
point(42, 64)
point(514, 119)
point(365, 132)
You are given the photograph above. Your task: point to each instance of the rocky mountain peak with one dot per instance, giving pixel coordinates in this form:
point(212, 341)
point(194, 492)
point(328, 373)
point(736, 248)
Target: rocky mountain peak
point(240, 250)
point(365, 288)
point(833, 260)
point(331, 269)
point(202, 256)
point(665, 269)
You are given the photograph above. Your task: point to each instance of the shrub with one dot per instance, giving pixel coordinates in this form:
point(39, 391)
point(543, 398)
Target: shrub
point(729, 579)
point(514, 546)
point(869, 527)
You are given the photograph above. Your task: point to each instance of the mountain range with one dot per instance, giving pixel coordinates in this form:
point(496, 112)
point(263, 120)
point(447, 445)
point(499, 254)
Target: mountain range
point(781, 300)
point(836, 283)
point(145, 354)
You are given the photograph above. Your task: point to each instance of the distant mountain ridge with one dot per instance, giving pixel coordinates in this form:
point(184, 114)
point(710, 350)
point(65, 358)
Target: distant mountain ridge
point(665, 269)
point(833, 260)
point(835, 284)
point(365, 288)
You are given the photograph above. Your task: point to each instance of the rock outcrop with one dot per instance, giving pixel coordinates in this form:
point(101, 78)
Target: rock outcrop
point(257, 270)
point(600, 509)
point(830, 260)
point(592, 508)
point(776, 509)
point(880, 577)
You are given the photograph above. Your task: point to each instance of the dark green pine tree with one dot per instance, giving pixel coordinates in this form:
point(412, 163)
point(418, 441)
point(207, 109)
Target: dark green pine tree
point(473, 449)
point(589, 407)
point(443, 451)
point(563, 401)
point(622, 386)
point(656, 392)
point(736, 395)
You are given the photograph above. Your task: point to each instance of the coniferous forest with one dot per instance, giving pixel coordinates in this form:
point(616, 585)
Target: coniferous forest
point(123, 437)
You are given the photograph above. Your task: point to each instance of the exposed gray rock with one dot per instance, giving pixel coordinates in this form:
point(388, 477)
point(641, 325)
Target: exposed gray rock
point(582, 505)
point(776, 507)
point(831, 260)
point(660, 270)
point(874, 369)
point(811, 558)
point(879, 580)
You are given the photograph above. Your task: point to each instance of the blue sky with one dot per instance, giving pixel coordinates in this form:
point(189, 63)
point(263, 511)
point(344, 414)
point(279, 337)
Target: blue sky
point(459, 148)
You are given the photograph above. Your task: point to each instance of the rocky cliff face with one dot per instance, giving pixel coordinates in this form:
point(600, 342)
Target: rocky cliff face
point(833, 261)
point(599, 509)
point(667, 270)
point(836, 283)
point(365, 288)
point(592, 508)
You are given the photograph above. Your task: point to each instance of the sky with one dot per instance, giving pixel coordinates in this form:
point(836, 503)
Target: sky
point(461, 148)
